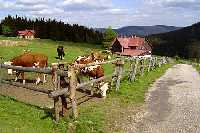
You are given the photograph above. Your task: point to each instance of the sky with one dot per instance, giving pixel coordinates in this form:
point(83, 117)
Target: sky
point(104, 13)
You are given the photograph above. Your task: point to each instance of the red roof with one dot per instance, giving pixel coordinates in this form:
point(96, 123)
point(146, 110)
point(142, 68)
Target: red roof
point(131, 41)
point(26, 32)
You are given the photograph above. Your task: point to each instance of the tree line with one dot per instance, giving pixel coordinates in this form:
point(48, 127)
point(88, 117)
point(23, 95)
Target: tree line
point(50, 29)
point(183, 43)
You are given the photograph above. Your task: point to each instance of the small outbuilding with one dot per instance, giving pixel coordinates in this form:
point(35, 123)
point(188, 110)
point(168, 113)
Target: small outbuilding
point(27, 34)
point(131, 46)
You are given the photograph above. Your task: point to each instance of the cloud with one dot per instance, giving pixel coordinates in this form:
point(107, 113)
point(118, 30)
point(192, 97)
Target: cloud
point(186, 4)
point(102, 13)
point(31, 2)
point(5, 4)
point(86, 5)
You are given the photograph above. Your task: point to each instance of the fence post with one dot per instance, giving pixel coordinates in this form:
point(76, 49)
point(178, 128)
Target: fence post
point(154, 63)
point(57, 100)
point(72, 89)
point(119, 71)
point(142, 67)
point(131, 70)
point(63, 97)
point(150, 64)
point(134, 71)
point(0, 69)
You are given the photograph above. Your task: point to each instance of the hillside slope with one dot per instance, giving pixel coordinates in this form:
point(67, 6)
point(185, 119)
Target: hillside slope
point(184, 42)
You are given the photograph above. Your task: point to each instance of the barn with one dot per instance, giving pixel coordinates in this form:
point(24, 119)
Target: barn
point(27, 34)
point(131, 46)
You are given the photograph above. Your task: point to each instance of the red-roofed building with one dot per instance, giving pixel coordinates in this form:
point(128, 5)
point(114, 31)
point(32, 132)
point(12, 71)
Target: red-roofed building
point(27, 34)
point(131, 46)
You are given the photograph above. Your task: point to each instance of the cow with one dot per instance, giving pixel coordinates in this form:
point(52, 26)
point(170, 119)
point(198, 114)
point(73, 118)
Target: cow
point(91, 58)
point(35, 60)
point(94, 72)
point(61, 52)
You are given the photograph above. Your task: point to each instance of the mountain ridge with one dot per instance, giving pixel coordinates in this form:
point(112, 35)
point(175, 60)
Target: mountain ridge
point(142, 30)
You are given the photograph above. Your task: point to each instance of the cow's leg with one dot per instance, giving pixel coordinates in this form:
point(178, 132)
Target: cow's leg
point(23, 77)
point(63, 56)
point(38, 79)
point(17, 76)
point(92, 91)
point(44, 78)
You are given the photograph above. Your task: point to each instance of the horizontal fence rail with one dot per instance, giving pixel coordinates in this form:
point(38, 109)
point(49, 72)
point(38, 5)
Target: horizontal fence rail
point(27, 69)
point(137, 65)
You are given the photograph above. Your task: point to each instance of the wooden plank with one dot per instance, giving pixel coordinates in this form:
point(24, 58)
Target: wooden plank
point(57, 100)
point(72, 89)
point(150, 64)
point(135, 70)
point(27, 69)
point(143, 67)
point(58, 92)
point(119, 73)
point(93, 81)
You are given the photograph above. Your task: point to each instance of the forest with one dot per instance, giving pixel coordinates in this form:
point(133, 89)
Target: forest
point(50, 29)
point(183, 43)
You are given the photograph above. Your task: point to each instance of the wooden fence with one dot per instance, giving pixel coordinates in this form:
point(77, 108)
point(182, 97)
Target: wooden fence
point(137, 65)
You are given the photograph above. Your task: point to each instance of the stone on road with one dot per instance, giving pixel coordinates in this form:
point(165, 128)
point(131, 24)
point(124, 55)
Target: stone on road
point(173, 103)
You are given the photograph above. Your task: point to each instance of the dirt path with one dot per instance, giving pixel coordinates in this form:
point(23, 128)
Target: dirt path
point(172, 104)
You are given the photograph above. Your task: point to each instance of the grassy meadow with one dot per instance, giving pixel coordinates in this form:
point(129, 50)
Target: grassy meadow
point(96, 115)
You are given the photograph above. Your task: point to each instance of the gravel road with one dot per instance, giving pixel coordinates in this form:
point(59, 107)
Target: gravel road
point(172, 104)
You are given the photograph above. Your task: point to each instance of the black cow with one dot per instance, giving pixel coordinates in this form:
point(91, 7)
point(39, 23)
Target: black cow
point(61, 52)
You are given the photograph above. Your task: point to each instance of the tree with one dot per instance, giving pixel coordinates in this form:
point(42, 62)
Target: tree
point(6, 30)
point(50, 29)
point(109, 35)
point(0, 28)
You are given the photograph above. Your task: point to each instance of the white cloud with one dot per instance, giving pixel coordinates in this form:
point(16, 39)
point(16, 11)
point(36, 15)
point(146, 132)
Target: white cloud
point(86, 5)
point(102, 13)
point(31, 2)
point(48, 12)
point(186, 4)
point(5, 4)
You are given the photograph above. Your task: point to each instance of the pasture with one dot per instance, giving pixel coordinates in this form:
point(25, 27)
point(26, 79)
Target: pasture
point(96, 115)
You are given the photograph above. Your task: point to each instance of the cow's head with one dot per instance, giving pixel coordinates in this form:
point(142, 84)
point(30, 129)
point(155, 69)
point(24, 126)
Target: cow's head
point(9, 63)
point(27, 50)
point(100, 56)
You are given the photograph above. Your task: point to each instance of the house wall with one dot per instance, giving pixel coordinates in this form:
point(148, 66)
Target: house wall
point(116, 47)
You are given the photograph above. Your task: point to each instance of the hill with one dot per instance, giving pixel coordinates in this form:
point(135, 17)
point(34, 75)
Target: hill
point(142, 30)
point(184, 42)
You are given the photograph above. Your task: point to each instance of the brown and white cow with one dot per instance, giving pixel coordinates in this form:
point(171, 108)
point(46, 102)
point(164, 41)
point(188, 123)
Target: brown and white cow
point(94, 72)
point(93, 57)
point(29, 59)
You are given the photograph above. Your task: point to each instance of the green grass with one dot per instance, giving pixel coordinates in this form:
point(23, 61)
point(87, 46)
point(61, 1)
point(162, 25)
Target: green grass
point(94, 115)
point(196, 66)
point(19, 117)
point(49, 47)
